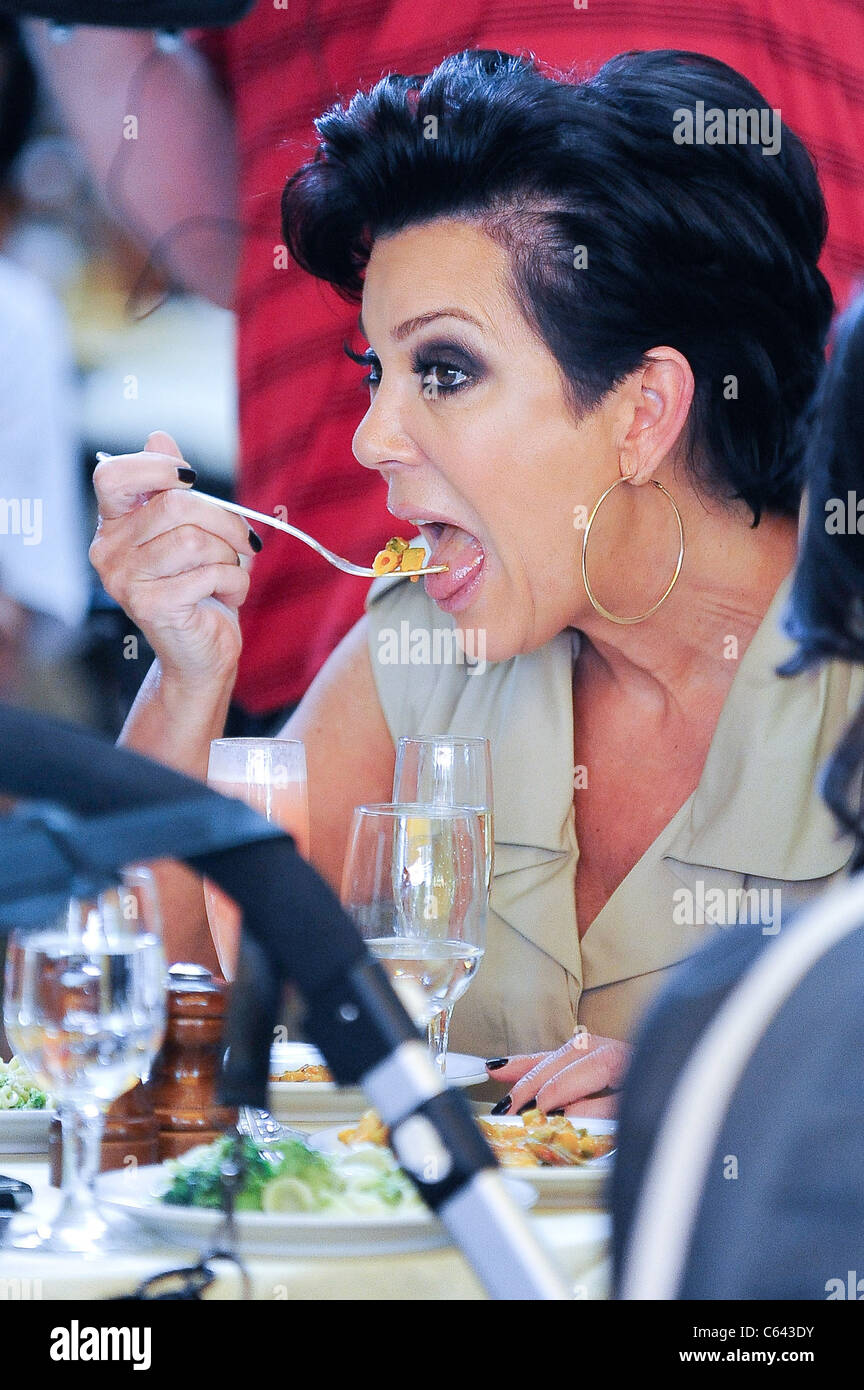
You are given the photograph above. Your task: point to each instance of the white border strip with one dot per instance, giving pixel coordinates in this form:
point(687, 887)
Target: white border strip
point(675, 1173)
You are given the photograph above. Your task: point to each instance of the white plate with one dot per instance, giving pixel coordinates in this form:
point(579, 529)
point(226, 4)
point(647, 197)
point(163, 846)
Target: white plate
point(285, 1233)
point(24, 1131)
point(324, 1100)
point(583, 1185)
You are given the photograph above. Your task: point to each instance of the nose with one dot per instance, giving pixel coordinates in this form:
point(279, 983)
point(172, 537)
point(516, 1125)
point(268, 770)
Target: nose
point(381, 439)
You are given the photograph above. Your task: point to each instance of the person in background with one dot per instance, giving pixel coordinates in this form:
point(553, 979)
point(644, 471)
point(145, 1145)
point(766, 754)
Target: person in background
point(44, 576)
point(757, 1117)
point(217, 138)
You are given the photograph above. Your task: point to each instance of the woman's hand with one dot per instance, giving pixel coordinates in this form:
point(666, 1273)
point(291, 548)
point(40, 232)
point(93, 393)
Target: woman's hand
point(574, 1078)
point(165, 556)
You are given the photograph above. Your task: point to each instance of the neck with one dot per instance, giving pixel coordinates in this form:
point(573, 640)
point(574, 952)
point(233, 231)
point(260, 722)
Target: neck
point(695, 640)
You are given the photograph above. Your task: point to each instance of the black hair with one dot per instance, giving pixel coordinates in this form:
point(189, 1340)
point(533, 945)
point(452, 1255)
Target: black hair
point(18, 95)
point(825, 612)
point(711, 249)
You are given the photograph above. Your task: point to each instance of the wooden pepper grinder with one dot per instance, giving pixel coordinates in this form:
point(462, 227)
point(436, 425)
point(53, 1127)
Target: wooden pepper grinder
point(131, 1135)
point(183, 1081)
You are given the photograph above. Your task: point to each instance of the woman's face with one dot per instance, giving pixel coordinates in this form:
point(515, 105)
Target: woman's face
point(469, 424)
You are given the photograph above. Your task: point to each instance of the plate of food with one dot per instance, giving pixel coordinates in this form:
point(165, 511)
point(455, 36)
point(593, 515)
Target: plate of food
point(301, 1088)
point(567, 1160)
point(26, 1111)
point(297, 1200)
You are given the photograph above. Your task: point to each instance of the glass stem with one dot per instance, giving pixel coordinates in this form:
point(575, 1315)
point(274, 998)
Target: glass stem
point(82, 1128)
point(438, 1033)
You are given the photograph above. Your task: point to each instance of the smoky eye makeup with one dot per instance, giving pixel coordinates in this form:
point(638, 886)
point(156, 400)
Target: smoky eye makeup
point(446, 366)
point(443, 365)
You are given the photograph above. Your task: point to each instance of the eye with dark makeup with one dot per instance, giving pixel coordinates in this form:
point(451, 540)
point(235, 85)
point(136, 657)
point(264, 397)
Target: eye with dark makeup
point(365, 359)
point(444, 367)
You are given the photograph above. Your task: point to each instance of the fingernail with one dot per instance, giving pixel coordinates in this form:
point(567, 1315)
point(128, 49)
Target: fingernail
point(529, 1105)
point(187, 475)
point(559, 1111)
point(502, 1107)
point(495, 1062)
point(255, 540)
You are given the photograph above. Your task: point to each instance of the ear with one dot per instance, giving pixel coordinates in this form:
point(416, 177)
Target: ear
point(659, 395)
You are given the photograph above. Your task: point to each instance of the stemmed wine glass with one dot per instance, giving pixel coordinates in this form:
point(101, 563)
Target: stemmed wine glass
point(414, 881)
point(448, 770)
point(84, 1007)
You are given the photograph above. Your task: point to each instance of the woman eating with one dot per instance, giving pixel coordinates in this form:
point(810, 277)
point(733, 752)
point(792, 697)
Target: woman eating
point(578, 321)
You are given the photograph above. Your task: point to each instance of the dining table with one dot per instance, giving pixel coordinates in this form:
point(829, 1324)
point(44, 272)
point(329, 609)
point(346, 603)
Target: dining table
point(577, 1239)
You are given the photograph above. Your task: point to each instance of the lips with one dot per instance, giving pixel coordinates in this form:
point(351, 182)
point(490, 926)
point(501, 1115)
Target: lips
point(464, 557)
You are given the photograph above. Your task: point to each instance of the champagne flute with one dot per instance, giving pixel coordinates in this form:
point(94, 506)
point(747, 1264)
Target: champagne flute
point(84, 1007)
point(448, 770)
point(269, 774)
point(414, 881)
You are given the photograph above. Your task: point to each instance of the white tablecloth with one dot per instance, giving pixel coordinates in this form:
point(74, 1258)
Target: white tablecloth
point(577, 1239)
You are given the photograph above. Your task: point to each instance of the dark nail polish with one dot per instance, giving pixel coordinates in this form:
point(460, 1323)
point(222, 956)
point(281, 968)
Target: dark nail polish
point(529, 1105)
point(187, 475)
point(495, 1062)
point(255, 540)
point(502, 1107)
point(559, 1111)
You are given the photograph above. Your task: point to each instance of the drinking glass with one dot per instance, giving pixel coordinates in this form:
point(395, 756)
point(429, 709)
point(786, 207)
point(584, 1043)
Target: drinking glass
point(448, 770)
point(414, 881)
point(84, 1007)
point(269, 774)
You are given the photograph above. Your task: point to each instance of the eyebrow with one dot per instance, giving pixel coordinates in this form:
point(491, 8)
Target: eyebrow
point(420, 320)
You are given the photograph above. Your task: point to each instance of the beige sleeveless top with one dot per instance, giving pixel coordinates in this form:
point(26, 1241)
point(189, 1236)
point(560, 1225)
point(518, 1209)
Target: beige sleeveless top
point(754, 822)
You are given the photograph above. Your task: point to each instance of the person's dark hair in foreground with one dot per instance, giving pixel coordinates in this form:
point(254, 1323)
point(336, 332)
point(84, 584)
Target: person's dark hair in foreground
point(779, 1213)
point(717, 257)
point(826, 605)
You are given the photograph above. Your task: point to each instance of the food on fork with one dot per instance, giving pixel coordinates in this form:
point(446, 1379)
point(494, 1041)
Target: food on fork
point(399, 556)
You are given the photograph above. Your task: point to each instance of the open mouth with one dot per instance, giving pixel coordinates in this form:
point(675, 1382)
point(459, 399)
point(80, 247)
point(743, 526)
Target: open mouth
point(464, 557)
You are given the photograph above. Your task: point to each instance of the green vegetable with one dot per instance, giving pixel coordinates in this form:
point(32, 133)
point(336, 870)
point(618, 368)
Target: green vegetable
point(197, 1176)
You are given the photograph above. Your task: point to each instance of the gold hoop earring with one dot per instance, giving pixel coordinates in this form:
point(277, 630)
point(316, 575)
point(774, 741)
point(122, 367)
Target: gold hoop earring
point(595, 602)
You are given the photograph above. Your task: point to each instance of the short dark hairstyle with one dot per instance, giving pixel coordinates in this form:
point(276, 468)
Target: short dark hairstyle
point(711, 249)
point(825, 612)
point(18, 95)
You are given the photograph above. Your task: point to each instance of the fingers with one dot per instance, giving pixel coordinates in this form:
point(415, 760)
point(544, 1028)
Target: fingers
point(585, 1065)
point(168, 533)
point(605, 1108)
point(186, 547)
point(602, 1069)
point(516, 1067)
point(169, 601)
point(124, 481)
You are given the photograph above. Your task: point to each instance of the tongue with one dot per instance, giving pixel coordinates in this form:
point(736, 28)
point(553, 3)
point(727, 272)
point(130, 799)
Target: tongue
point(462, 553)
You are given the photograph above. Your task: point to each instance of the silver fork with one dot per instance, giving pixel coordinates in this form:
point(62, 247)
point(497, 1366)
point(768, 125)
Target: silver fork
point(264, 1130)
point(345, 566)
